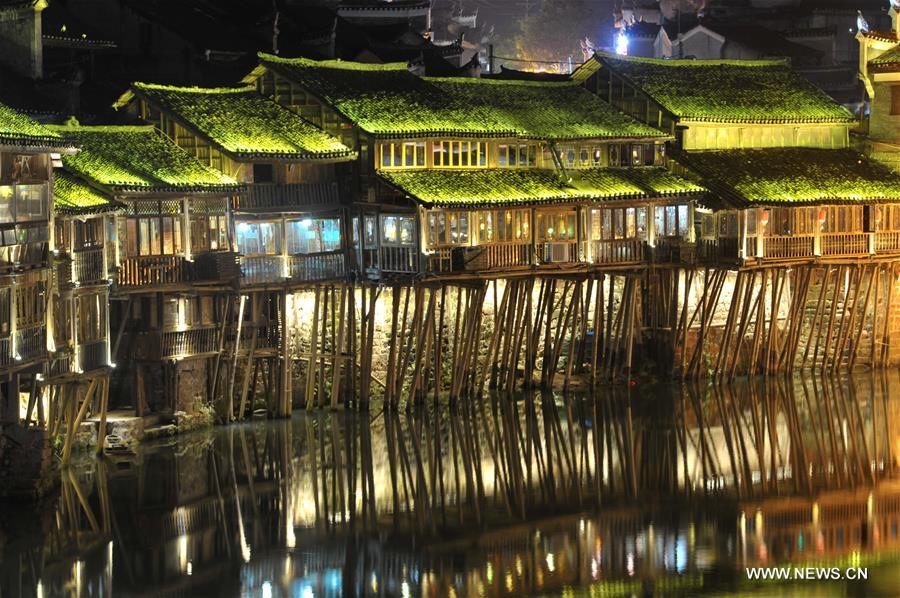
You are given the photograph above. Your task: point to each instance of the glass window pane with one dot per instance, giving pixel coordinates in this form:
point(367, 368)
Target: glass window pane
point(168, 242)
point(683, 225)
point(501, 156)
point(659, 221)
point(629, 223)
point(619, 223)
point(464, 228)
point(641, 223)
point(389, 230)
point(385, 155)
point(671, 228)
point(247, 234)
point(407, 230)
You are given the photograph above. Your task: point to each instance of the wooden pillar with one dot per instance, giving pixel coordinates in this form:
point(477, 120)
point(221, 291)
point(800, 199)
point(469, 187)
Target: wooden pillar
point(287, 360)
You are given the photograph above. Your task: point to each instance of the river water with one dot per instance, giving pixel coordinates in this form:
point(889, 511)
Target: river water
point(644, 489)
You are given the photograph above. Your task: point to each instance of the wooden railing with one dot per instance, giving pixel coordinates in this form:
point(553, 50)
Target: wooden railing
point(6, 356)
point(214, 266)
point(92, 356)
point(844, 244)
point(559, 252)
point(31, 343)
point(673, 249)
point(481, 258)
point(316, 266)
point(268, 336)
point(87, 265)
point(266, 269)
point(185, 343)
point(788, 247)
point(618, 251)
point(887, 242)
point(152, 270)
point(262, 196)
point(724, 248)
point(399, 259)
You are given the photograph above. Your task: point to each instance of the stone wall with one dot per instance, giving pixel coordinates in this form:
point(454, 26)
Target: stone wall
point(25, 461)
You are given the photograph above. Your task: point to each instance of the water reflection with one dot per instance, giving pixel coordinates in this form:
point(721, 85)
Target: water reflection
point(645, 489)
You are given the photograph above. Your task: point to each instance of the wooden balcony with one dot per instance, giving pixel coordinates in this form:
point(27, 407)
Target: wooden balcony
point(499, 256)
point(87, 266)
point(26, 345)
point(178, 344)
point(152, 271)
point(273, 197)
point(399, 259)
point(844, 244)
point(618, 251)
point(92, 356)
point(276, 269)
point(146, 271)
point(788, 247)
point(558, 252)
point(887, 242)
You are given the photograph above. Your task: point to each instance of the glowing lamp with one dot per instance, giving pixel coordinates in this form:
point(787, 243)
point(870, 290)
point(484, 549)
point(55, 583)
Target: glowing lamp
point(822, 213)
point(621, 43)
point(764, 218)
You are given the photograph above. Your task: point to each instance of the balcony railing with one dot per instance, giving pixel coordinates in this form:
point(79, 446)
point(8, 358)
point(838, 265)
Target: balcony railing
point(789, 247)
point(220, 266)
point(845, 244)
point(887, 242)
point(178, 344)
point(30, 343)
point(618, 251)
point(399, 259)
point(152, 270)
point(558, 252)
point(92, 356)
point(481, 258)
point(312, 267)
point(87, 266)
point(268, 196)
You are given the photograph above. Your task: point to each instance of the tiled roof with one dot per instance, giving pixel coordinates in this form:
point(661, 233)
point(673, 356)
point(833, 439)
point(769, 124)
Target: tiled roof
point(388, 100)
point(887, 61)
point(488, 187)
point(793, 175)
point(18, 129)
point(242, 123)
point(72, 195)
point(724, 90)
point(138, 159)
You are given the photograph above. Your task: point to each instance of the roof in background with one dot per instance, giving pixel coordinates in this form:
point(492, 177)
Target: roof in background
point(242, 123)
point(887, 61)
point(507, 187)
point(724, 90)
point(71, 195)
point(139, 160)
point(388, 100)
point(793, 175)
point(762, 39)
point(20, 130)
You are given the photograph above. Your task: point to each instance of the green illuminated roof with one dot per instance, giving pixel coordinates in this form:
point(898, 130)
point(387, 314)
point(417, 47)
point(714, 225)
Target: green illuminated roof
point(242, 123)
point(724, 90)
point(793, 175)
point(501, 186)
point(71, 195)
point(18, 129)
point(138, 159)
point(887, 61)
point(388, 100)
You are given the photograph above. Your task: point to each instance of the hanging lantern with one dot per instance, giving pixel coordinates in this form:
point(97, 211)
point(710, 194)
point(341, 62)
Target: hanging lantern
point(822, 213)
point(764, 218)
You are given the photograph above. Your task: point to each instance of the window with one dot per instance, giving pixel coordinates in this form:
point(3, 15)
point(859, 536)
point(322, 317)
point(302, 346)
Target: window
point(408, 154)
point(557, 226)
point(31, 203)
point(608, 224)
point(209, 233)
point(259, 238)
point(88, 233)
point(895, 100)
point(91, 318)
point(447, 228)
point(459, 154)
point(313, 235)
point(398, 230)
point(370, 236)
point(263, 173)
point(517, 155)
point(153, 235)
point(672, 221)
point(504, 226)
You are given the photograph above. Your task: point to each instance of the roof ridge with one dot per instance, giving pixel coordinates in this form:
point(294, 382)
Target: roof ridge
point(336, 64)
point(193, 88)
point(676, 62)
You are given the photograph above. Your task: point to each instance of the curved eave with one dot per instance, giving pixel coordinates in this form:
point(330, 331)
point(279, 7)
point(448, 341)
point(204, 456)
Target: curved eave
point(176, 189)
point(47, 144)
point(764, 121)
point(242, 156)
point(112, 207)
